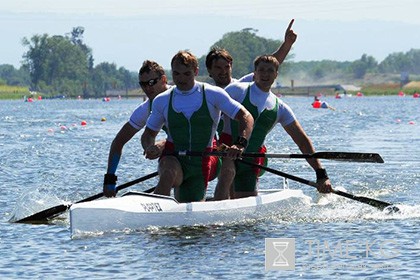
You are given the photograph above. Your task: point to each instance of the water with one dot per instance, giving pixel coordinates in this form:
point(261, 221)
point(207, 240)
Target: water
point(47, 158)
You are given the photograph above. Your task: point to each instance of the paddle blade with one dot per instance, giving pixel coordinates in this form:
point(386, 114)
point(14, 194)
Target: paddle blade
point(346, 156)
point(45, 214)
point(382, 205)
point(56, 210)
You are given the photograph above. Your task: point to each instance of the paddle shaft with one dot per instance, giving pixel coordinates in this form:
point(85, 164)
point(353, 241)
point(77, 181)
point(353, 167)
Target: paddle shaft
point(342, 156)
point(373, 202)
point(56, 210)
point(121, 187)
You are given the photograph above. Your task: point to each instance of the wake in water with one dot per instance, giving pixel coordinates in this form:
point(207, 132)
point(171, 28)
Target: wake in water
point(334, 208)
point(33, 202)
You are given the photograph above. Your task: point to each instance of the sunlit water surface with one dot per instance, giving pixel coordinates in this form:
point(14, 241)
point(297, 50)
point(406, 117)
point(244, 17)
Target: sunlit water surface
point(47, 158)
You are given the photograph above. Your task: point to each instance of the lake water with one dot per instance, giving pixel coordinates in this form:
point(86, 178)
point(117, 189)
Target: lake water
point(47, 157)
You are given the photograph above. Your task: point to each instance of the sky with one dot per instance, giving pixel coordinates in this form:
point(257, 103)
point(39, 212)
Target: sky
point(126, 32)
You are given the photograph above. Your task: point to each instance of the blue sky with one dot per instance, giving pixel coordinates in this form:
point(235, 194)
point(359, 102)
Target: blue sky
point(127, 32)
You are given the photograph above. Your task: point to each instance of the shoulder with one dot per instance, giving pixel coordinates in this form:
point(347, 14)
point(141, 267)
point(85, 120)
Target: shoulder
point(163, 96)
point(247, 78)
point(210, 87)
point(162, 99)
point(237, 86)
point(144, 104)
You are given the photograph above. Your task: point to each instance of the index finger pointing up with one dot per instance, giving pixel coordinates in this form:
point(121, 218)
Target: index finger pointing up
point(290, 24)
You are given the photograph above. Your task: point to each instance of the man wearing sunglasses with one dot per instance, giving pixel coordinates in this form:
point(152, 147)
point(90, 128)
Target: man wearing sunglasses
point(190, 111)
point(153, 81)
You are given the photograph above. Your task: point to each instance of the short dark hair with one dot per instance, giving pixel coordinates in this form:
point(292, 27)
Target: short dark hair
point(266, 58)
point(217, 53)
point(149, 66)
point(186, 58)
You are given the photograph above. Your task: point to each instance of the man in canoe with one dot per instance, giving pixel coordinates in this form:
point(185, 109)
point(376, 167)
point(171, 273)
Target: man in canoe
point(153, 81)
point(190, 112)
point(267, 110)
point(317, 104)
point(219, 65)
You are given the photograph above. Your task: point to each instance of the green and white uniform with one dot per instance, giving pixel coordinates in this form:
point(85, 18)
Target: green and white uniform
point(191, 119)
point(267, 110)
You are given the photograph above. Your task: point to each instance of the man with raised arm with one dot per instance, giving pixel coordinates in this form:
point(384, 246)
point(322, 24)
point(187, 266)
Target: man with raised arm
point(219, 62)
point(219, 65)
point(267, 110)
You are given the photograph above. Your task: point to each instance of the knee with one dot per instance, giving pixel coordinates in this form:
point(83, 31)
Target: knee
point(228, 168)
point(170, 166)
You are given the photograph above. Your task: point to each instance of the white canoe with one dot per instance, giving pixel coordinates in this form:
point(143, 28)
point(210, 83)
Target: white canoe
point(137, 210)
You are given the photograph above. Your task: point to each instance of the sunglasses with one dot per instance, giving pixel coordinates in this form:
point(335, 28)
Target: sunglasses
point(150, 82)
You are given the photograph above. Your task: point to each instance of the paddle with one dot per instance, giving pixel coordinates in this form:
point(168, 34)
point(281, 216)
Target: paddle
point(372, 202)
point(56, 210)
point(343, 156)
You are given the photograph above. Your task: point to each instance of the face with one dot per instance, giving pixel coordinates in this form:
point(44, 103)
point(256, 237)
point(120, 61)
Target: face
point(183, 76)
point(152, 84)
point(265, 75)
point(221, 72)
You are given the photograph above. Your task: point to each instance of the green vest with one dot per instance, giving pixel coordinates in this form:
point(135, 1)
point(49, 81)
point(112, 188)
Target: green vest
point(263, 123)
point(193, 134)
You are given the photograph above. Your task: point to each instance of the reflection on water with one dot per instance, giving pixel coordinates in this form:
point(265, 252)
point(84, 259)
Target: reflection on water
point(48, 157)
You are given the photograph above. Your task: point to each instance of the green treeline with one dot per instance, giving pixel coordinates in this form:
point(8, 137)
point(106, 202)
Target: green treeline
point(64, 65)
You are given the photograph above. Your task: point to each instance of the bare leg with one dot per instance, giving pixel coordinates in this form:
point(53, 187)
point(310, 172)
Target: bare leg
point(170, 175)
point(225, 179)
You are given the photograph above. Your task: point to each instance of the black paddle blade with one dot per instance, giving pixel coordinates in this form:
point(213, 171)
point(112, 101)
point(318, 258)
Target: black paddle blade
point(345, 156)
point(381, 205)
point(52, 212)
point(45, 214)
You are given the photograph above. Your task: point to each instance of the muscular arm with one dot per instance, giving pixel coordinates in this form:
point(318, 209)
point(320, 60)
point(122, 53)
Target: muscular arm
point(289, 39)
point(124, 135)
point(299, 136)
point(148, 137)
point(246, 122)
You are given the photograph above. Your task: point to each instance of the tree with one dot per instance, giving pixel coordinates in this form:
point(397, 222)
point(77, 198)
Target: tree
point(57, 63)
point(14, 77)
point(401, 62)
point(365, 64)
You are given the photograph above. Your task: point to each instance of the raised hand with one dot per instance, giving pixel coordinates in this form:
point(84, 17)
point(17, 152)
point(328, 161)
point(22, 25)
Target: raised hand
point(290, 36)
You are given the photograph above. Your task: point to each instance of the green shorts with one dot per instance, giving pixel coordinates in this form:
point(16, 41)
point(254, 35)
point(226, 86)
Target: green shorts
point(246, 178)
point(197, 173)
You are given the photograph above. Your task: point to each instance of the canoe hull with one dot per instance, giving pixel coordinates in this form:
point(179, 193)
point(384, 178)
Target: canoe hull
point(142, 210)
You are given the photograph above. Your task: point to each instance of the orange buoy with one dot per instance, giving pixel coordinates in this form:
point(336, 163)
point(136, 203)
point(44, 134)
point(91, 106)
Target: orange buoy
point(83, 123)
